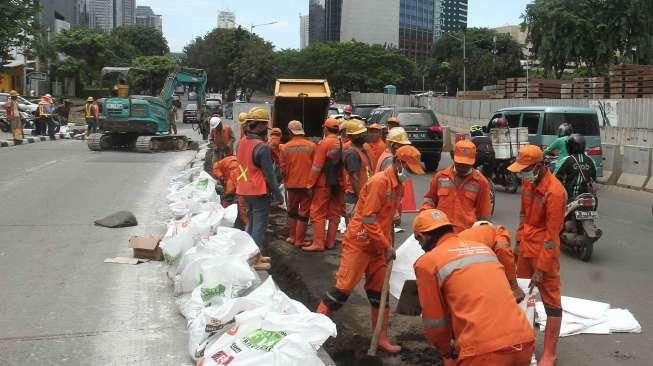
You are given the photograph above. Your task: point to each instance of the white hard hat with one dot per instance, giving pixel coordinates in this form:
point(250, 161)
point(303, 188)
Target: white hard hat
point(215, 122)
point(482, 222)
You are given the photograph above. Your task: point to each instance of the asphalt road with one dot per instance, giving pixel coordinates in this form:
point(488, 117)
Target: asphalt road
point(62, 305)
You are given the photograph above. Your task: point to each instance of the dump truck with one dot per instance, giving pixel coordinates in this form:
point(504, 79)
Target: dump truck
point(141, 122)
point(305, 100)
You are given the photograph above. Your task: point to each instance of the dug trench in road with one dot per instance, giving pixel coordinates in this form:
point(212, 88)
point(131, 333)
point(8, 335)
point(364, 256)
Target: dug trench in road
point(60, 303)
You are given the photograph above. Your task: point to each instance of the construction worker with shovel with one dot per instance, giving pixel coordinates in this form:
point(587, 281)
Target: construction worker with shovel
point(469, 312)
point(367, 245)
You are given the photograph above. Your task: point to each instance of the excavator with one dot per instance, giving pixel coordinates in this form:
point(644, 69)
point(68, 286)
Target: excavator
point(141, 122)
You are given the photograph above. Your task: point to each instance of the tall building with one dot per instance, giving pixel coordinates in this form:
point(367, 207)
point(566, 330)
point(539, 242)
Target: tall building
point(145, 16)
point(58, 15)
point(101, 14)
point(124, 12)
point(226, 20)
point(379, 25)
point(303, 31)
point(416, 28)
point(324, 17)
point(453, 15)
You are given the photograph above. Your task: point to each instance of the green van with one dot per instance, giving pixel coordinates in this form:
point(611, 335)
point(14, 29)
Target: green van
point(543, 122)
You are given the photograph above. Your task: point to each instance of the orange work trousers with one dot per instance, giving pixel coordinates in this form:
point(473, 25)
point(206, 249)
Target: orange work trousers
point(550, 288)
point(519, 355)
point(357, 260)
point(326, 204)
point(299, 204)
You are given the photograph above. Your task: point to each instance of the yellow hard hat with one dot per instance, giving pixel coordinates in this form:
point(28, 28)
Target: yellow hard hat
point(89, 99)
point(242, 118)
point(13, 93)
point(354, 127)
point(398, 135)
point(258, 114)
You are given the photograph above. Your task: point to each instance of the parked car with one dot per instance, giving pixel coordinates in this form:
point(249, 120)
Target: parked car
point(190, 113)
point(214, 105)
point(423, 129)
point(334, 111)
point(24, 104)
point(192, 96)
point(180, 90)
point(365, 109)
point(543, 122)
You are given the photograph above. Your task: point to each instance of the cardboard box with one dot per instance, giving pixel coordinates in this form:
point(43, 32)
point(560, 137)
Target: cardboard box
point(147, 247)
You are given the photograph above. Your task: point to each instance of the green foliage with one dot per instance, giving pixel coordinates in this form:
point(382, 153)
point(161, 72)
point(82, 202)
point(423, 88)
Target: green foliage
point(588, 33)
point(351, 66)
point(150, 72)
point(487, 60)
point(234, 59)
point(17, 23)
point(138, 40)
point(92, 48)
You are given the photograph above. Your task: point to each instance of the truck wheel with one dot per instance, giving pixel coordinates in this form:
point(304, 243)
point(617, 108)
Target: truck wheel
point(431, 162)
point(585, 252)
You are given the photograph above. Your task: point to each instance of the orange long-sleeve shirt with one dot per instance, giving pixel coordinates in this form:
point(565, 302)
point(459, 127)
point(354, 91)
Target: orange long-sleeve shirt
point(498, 239)
point(226, 171)
point(464, 200)
point(327, 148)
point(464, 296)
point(377, 148)
point(542, 216)
point(296, 160)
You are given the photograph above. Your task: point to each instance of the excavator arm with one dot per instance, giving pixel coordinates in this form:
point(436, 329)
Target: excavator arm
point(185, 76)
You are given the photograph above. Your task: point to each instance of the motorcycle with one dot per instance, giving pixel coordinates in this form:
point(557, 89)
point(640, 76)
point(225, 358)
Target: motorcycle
point(580, 231)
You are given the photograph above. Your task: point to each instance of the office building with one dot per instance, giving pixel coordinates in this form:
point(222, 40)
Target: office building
point(303, 31)
point(416, 28)
point(57, 15)
point(144, 16)
point(453, 15)
point(101, 14)
point(226, 20)
point(324, 18)
point(124, 13)
point(366, 21)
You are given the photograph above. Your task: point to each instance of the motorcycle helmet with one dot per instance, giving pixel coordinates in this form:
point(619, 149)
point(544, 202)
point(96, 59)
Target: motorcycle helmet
point(565, 129)
point(576, 144)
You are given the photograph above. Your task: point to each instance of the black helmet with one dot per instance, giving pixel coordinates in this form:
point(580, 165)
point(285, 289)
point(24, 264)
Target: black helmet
point(565, 129)
point(576, 144)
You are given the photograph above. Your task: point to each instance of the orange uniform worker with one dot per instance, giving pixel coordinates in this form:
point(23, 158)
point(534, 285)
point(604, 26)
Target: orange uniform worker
point(465, 297)
point(543, 203)
point(357, 163)
point(296, 159)
point(226, 171)
point(377, 145)
point(393, 122)
point(397, 137)
point(326, 182)
point(460, 191)
point(497, 238)
point(221, 137)
point(367, 244)
point(274, 141)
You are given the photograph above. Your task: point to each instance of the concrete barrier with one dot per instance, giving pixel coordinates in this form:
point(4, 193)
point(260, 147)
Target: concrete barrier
point(635, 167)
point(611, 163)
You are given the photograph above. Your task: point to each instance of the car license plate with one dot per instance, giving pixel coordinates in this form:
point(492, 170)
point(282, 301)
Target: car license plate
point(418, 135)
point(586, 215)
point(114, 106)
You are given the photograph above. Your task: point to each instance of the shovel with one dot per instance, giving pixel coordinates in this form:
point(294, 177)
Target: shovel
point(409, 300)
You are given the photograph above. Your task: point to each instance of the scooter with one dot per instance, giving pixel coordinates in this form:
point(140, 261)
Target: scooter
point(580, 231)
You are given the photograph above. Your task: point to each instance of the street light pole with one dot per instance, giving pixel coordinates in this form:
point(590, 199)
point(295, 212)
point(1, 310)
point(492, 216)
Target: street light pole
point(464, 62)
point(252, 25)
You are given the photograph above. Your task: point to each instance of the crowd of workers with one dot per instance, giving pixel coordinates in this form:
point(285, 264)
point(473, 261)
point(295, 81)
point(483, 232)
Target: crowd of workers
point(466, 280)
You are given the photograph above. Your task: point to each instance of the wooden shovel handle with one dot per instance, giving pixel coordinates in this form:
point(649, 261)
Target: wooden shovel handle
point(374, 344)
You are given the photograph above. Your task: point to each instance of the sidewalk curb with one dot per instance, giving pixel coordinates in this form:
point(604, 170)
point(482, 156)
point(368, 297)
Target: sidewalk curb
point(34, 139)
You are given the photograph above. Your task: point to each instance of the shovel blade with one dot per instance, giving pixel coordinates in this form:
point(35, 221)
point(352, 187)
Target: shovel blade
point(409, 300)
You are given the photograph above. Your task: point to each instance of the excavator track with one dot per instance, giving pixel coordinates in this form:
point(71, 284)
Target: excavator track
point(149, 144)
point(99, 141)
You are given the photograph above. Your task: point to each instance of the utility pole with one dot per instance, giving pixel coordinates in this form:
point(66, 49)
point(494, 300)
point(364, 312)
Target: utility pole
point(464, 62)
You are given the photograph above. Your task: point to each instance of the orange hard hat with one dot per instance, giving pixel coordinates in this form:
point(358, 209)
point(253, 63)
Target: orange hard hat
point(411, 157)
point(331, 123)
point(464, 152)
point(275, 131)
point(528, 155)
point(375, 126)
point(429, 220)
point(393, 120)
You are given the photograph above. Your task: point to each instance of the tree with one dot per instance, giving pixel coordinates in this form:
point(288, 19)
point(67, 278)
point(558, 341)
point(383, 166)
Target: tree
point(149, 72)
point(490, 57)
point(234, 60)
point(17, 23)
point(92, 48)
point(138, 40)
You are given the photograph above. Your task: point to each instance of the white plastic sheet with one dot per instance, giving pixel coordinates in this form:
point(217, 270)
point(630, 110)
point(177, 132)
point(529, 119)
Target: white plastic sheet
point(402, 268)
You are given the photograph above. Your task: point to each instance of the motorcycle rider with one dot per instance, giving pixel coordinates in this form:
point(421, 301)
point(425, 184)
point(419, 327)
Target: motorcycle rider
point(576, 171)
point(559, 144)
point(484, 150)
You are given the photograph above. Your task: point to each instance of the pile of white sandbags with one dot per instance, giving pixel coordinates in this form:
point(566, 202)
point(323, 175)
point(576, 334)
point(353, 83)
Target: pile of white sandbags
point(232, 316)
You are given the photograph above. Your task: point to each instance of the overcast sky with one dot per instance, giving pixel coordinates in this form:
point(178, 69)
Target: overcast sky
point(183, 20)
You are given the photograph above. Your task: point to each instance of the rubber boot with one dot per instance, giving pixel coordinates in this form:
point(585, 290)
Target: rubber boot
point(551, 334)
point(292, 229)
point(384, 341)
point(332, 231)
point(318, 239)
point(300, 233)
point(323, 309)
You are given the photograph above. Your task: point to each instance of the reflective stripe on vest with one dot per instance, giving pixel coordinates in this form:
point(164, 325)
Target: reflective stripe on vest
point(251, 181)
point(436, 323)
point(88, 111)
point(450, 267)
point(445, 183)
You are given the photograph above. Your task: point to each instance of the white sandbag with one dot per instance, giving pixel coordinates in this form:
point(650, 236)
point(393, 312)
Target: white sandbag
point(215, 320)
point(191, 275)
point(402, 267)
point(190, 305)
point(230, 215)
point(272, 339)
point(206, 223)
point(231, 242)
point(177, 241)
point(226, 278)
point(186, 176)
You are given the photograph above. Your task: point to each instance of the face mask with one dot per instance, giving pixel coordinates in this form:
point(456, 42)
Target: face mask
point(464, 174)
point(529, 176)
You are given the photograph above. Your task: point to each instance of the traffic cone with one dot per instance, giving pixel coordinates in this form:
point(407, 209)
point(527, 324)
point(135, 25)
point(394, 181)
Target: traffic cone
point(408, 204)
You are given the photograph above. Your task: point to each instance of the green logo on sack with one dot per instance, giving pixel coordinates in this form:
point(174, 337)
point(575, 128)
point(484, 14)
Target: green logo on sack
point(209, 293)
point(263, 340)
point(201, 183)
